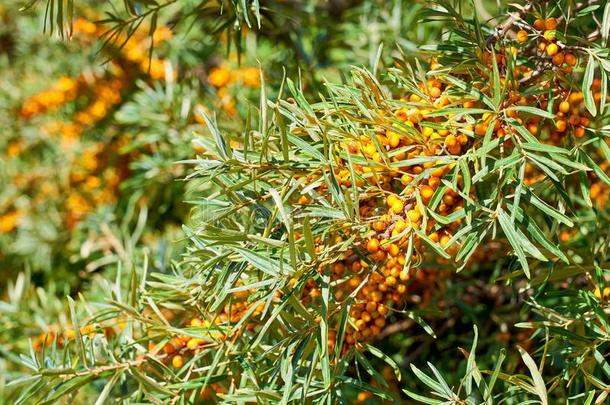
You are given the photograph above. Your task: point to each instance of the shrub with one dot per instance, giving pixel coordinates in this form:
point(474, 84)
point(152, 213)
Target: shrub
point(342, 237)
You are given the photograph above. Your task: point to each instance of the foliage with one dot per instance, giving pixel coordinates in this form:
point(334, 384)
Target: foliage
point(345, 233)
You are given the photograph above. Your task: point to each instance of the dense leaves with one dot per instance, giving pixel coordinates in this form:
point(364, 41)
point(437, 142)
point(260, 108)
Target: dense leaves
point(239, 215)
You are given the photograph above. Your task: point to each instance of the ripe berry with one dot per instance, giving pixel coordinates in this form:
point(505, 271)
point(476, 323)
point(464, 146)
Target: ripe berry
point(450, 141)
point(552, 49)
point(397, 206)
point(394, 140)
point(550, 23)
point(521, 36)
point(558, 59)
point(414, 215)
point(570, 59)
point(372, 245)
point(177, 361)
point(549, 35)
point(426, 192)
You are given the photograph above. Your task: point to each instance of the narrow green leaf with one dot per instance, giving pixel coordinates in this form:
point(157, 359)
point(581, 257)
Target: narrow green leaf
point(514, 240)
point(586, 86)
point(539, 384)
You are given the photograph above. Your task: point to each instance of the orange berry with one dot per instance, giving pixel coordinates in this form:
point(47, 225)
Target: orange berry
point(579, 132)
point(561, 125)
point(169, 348)
point(558, 59)
point(521, 36)
point(435, 92)
point(400, 226)
point(539, 24)
point(426, 192)
point(390, 281)
point(570, 59)
point(379, 226)
point(438, 172)
point(454, 150)
point(450, 141)
point(372, 245)
point(480, 129)
point(550, 23)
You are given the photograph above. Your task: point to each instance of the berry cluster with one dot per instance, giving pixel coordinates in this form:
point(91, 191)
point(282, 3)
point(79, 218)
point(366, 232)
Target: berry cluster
point(97, 168)
point(223, 77)
point(413, 190)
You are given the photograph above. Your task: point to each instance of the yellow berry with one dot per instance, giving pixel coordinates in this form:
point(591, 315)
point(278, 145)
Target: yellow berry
point(177, 361)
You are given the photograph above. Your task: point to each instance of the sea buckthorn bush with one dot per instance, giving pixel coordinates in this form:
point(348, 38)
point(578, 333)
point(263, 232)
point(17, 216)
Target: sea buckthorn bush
point(308, 202)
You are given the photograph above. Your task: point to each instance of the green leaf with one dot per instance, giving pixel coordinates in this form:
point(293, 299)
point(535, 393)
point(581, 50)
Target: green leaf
point(543, 147)
point(514, 240)
point(497, 86)
point(265, 264)
point(536, 233)
point(539, 384)
point(471, 365)
point(221, 144)
point(76, 327)
point(422, 399)
point(435, 247)
point(365, 387)
point(324, 355)
point(547, 209)
point(67, 387)
point(586, 86)
point(378, 353)
point(437, 387)
point(602, 362)
point(469, 89)
point(533, 111)
point(488, 395)
point(101, 399)
point(605, 29)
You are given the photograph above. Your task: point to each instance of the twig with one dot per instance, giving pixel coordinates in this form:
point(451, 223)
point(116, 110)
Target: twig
point(502, 29)
point(395, 328)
